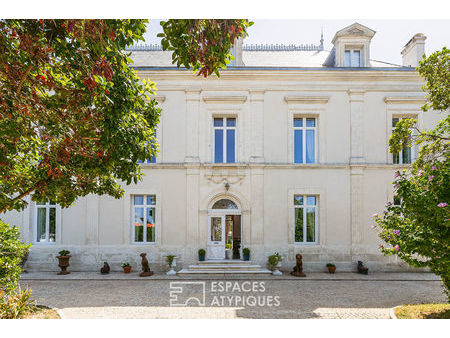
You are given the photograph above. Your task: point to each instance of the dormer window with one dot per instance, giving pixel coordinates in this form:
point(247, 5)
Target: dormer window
point(352, 58)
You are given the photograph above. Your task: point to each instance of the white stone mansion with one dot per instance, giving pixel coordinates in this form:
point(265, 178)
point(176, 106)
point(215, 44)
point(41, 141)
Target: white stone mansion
point(286, 152)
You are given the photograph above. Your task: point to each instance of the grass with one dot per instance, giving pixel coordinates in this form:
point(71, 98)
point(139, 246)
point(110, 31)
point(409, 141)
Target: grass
point(41, 312)
point(423, 311)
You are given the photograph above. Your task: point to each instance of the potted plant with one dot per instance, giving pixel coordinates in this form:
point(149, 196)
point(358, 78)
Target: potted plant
point(228, 251)
point(331, 267)
point(273, 263)
point(126, 267)
point(246, 252)
point(201, 255)
point(63, 259)
point(171, 262)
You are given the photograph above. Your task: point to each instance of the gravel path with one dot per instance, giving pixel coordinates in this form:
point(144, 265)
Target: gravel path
point(299, 298)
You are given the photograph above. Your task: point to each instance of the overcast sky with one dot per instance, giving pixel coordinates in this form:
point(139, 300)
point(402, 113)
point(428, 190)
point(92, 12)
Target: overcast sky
point(390, 37)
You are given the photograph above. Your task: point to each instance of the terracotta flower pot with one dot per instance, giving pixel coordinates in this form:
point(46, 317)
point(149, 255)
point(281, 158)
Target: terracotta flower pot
point(63, 264)
point(127, 269)
point(331, 269)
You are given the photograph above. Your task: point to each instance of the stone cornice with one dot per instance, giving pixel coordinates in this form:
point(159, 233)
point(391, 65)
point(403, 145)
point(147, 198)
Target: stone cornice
point(405, 99)
point(225, 99)
point(296, 99)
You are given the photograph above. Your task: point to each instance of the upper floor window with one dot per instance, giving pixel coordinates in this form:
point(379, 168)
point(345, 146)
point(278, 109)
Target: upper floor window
point(46, 222)
point(144, 218)
point(405, 155)
point(224, 139)
point(305, 213)
point(304, 139)
point(153, 159)
point(352, 58)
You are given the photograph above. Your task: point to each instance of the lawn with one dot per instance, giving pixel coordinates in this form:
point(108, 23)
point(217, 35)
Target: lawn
point(423, 311)
point(41, 312)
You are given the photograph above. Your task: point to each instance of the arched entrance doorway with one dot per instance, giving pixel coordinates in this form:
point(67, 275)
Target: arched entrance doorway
point(224, 230)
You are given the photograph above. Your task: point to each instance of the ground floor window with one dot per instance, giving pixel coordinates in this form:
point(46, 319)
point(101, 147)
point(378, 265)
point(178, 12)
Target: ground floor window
point(305, 213)
point(46, 222)
point(144, 218)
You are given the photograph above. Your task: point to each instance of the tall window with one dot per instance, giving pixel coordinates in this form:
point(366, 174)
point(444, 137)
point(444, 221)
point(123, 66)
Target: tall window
point(305, 209)
point(46, 222)
point(144, 218)
point(224, 140)
point(352, 58)
point(153, 159)
point(304, 139)
point(405, 155)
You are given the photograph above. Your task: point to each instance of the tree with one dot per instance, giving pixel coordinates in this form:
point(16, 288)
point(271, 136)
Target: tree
point(417, 228)
point(74, 117)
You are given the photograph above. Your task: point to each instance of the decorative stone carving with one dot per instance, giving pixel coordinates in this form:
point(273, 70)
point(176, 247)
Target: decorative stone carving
point(105, 269)
point(146, 272)
point(298, 268)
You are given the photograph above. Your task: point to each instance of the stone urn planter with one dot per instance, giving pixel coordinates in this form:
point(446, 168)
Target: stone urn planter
point(63, 261)
point(201, 255)
point(172, 262)
point(228, 253)
point(274, 264)
point(246, 252)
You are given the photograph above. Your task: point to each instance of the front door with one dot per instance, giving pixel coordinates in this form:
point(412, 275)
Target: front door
point(216, 237)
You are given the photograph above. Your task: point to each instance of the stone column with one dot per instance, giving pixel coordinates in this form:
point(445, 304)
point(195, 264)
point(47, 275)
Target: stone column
point(357, 205)
point(92, 218)
point(257, 206)
point(192, 130)
point(192, 206)
point(356, 99)
point(257, 126)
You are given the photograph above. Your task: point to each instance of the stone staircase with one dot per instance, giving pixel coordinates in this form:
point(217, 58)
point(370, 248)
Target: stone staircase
point(226, 266)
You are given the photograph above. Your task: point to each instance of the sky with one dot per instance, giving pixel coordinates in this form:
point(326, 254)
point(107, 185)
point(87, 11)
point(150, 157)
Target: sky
point(391, 35)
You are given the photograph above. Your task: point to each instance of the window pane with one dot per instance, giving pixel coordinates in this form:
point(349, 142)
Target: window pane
point(231, 122)
point(347, 58)
point(298, 200)
point(218, 122)
point(152, 160)
point(41, 219)
point(356, 58)
point(394, 121)
point(310, 146)
point(218, 146)
point(151, 200)
point(311, 200)
point(310, 224)
point(298, 146)
point(138, 224)
point(406, 155)
point(397, 200)
point(150, 225)
point(298, 122)
point(298, 224)
point(224, 204)
point(138, 200)
point(230, 146)
point(52, 225)
point(311, 122)
point(395, 158)
point(216, 229)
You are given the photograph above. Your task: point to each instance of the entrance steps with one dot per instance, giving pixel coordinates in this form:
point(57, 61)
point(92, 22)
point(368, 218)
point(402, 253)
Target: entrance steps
point(226, 266)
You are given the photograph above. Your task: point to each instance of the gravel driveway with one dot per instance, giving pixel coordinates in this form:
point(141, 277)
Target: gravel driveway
point(240, 298)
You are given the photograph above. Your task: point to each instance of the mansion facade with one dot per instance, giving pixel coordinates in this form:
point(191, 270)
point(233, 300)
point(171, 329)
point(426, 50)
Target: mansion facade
point(286, 152)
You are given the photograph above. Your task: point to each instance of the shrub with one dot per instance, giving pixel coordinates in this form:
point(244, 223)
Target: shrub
point(16, 303)
point(201, 252)
point(246, 251)
point(330, 265)
point(273, 260)
point(64, 253)
point(124, 265)
point(169, 260)
point(12, 250)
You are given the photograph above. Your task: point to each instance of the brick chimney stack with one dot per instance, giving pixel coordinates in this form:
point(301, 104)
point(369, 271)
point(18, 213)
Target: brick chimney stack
point(414, 50)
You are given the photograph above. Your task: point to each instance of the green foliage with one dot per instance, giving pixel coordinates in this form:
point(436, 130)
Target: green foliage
point(16, 304)
point(330, 265)
point(169, 260)
point(64, 253)
point(124, 265)
point(436, 71)
point(246, 251)
point(418, 229)
point(274, 260)
point(201, 252)
point(202, 44)
point(12, 249)
point(228, 246)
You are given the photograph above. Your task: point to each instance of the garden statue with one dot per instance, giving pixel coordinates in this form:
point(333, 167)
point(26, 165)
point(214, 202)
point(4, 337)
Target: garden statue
point(362, 269)
point(298, 268)
point(145, 266)
point(105, 270)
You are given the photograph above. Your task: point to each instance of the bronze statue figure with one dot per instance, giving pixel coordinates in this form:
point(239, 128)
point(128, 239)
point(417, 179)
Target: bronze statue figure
point(105, 270)
point(298, 268)
point(145, 266)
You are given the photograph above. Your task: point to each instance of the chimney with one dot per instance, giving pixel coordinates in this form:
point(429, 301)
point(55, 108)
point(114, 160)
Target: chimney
point(414, 50)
